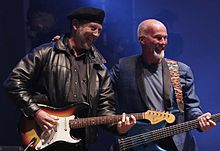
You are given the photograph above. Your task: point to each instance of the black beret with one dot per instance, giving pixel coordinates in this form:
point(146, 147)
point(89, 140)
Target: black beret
point(88, 13)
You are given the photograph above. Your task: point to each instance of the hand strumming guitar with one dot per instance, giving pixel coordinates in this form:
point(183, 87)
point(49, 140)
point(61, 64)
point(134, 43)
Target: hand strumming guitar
point(45, 120)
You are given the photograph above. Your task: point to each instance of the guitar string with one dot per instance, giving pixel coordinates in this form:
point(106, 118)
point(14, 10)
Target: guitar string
point(136, 140)
point(142, 140)
point(156, 115)
point(78, 123)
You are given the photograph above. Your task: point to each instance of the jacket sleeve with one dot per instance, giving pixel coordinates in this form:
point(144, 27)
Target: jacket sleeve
point(20, 80)
point(106, 101)
point(191, 100)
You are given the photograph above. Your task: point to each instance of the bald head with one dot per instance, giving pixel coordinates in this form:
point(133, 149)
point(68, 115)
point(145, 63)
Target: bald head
point(148, 26)
point(152, 35)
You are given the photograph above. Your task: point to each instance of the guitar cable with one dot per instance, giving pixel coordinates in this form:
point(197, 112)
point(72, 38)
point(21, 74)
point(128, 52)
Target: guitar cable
point(33, 140)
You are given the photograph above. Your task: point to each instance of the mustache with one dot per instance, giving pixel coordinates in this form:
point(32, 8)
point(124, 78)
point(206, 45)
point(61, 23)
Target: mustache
point(160, 47)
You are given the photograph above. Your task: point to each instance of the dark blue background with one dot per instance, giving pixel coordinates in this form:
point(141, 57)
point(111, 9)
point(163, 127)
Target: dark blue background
point(194, 38)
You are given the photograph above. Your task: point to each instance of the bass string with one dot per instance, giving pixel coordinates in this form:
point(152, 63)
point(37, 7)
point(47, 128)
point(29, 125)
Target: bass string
point(136, 140)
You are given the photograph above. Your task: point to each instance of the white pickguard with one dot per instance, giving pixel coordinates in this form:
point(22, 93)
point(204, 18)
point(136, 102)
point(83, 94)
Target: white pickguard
point(60, 133)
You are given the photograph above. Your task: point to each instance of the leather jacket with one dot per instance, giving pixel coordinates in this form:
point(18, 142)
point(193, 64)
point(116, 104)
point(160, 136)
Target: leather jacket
point(44, 76)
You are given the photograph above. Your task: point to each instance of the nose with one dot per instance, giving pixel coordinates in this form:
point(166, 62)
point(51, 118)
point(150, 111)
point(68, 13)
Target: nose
point(163, 41)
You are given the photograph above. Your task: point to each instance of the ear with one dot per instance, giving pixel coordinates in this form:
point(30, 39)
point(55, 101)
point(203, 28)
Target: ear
point(141, 39)
point(75, 24)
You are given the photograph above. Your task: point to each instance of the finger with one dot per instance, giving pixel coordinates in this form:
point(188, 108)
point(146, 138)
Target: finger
point(205, 121)
point(44, 128)
point(127, 120)
point(119, 124)
point(54, 117)
point(51, 119)
point(133, 119)
point(209, 120)
point(208, 115)
point(202, 121)
point(212, 122)
point(49, 122)
point(204, 124)
point(201, 124)
point(48, 125)
point(123, 117)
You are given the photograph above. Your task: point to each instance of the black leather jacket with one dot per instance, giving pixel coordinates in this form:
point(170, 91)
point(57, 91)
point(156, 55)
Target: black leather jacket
point(44, 76)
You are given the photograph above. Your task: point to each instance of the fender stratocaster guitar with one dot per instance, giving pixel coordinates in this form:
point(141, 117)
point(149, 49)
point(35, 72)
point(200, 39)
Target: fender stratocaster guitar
point(33, 136)
point(143, 136)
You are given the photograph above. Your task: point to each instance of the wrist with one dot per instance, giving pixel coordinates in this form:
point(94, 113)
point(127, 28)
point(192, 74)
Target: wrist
point(37, 112)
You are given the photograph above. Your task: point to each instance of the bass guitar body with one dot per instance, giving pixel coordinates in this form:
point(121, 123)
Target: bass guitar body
point(138, 128)
point(144, 137)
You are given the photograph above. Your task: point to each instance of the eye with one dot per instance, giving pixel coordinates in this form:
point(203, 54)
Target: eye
point(93, 28)
point(159, 38)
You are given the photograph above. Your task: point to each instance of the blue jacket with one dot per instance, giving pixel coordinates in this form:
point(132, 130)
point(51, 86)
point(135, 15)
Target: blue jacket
point(128, 82)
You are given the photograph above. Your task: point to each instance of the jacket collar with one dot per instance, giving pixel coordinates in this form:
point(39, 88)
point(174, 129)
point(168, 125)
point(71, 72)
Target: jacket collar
point(95, 56)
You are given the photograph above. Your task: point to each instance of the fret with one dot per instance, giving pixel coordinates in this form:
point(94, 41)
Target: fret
point(152, 116)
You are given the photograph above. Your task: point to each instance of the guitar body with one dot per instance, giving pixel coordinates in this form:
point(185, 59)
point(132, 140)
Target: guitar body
point(138, 128)
point(64, 132)
point(30, 130)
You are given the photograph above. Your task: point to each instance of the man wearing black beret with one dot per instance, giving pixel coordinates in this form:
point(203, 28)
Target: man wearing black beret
point(67, 71)
point(90, 14)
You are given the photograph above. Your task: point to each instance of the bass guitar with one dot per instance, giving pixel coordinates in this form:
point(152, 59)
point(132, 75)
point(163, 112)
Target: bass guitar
point(36, 139)
point(143, 136)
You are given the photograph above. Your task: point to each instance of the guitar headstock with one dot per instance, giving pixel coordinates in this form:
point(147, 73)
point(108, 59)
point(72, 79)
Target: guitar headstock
point(155, 117)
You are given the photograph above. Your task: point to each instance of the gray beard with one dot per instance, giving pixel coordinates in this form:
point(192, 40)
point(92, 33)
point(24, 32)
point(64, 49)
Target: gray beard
point(159, 56)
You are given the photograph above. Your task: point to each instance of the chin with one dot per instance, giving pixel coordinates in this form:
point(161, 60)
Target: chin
point(159, 56)
point(87, 47)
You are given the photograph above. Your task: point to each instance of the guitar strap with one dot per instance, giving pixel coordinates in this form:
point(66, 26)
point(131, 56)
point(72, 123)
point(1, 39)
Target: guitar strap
point(175, 80)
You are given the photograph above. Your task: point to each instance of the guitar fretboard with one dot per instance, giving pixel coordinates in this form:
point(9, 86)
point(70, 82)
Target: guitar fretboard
point(91, 121)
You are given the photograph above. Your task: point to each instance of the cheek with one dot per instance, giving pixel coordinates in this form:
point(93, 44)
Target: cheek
point(153, 43)
point(166, 42)
point(85, 34)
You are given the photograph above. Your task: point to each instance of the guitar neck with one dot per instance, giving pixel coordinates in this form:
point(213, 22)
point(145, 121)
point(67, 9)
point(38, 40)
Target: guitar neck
point(91, 121)
point(177, 129)
point(158, 134)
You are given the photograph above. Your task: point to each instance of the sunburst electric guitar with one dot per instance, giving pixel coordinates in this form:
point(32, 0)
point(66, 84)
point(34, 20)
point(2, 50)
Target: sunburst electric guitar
point(36, 139)
point(143, 136)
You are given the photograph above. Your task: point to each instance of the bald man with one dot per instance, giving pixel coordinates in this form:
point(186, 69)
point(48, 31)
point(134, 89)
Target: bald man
point(143, 82)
